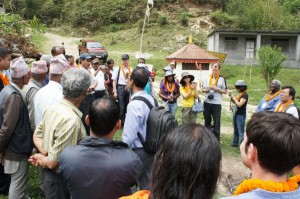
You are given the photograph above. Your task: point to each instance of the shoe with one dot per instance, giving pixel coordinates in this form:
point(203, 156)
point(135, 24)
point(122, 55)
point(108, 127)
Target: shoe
point(233, 145)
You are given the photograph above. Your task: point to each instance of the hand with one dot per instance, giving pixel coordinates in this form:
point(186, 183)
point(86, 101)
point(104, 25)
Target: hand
point(36, 159)
point(193, 86)
point(115, 95)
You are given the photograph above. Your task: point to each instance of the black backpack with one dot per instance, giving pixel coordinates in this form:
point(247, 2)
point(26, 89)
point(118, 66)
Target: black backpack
point(160, 122)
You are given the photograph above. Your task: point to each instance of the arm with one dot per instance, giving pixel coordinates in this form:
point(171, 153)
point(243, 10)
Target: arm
point(195, 88)
point(238, 103)
point(29, 99)
point(38, 139)
point(11, 110)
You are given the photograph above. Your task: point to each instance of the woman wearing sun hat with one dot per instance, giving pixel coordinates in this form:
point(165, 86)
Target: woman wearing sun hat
point(169, 92)
point(239, 112)
point(189, 92)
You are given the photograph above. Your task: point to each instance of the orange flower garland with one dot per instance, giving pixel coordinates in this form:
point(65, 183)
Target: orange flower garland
point(171, 90)
point(281, 107)
point(269, 96)
point(239, 97)
point(187, 89)
point(122, 68)
point(215, 82)
point(4, 79)
point(251, 184)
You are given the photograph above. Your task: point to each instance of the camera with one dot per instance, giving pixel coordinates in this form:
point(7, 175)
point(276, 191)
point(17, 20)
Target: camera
point(211, 96)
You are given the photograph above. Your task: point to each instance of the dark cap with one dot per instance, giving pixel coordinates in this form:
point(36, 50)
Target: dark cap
point(125, 56)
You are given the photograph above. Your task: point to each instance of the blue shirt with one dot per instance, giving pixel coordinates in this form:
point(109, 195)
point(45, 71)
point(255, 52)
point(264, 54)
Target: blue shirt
point(268, 106)
point(262, 194)
point(136, 120)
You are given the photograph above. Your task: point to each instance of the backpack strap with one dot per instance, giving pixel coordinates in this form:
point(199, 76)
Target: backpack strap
point(140, 98)
point(118, 76)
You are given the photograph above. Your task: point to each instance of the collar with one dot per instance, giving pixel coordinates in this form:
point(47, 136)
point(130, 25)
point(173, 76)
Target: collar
point(139, 93)
point(89, 141)
point(39, 84)
point(71, 105)
point(55, 84)
point(15, 86)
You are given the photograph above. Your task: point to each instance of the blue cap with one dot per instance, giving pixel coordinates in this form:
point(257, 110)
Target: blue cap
point(167, 68)
point(85, 56)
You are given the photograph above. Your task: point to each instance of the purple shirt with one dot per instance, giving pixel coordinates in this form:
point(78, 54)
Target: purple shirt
point(166, 93)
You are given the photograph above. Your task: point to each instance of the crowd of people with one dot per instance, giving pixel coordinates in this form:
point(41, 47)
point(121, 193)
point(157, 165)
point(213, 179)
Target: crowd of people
point(62, 116)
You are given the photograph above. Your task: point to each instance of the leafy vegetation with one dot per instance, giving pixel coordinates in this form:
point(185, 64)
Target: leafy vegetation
point(270, 62)
point(259, 15)
point(11, 24)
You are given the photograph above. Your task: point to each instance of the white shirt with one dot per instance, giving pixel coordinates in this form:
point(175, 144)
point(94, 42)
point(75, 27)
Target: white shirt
point(46, 96)
point(100, 79)
point(291, 110)
point(122, 80)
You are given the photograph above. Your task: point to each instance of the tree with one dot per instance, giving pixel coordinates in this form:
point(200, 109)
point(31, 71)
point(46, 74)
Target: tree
point(270, 62)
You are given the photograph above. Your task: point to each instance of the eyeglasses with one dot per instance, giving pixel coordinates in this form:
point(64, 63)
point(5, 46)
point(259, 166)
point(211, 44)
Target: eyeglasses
point(124, 59)
point(141, 62)
point(96, 63)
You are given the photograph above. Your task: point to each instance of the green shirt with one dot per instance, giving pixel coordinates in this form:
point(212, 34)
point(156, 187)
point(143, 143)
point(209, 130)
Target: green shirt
point(61, 127)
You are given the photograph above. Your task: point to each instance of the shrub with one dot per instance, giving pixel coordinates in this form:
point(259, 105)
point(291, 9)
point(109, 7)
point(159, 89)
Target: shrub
point(270, 62)
point(184, 19)
point(162, 20)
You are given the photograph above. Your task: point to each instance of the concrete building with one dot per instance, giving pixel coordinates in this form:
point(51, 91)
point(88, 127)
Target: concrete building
point(241, 46)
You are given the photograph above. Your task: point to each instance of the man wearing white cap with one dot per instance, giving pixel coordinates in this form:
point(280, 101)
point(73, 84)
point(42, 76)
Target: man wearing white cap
point(38, 74)
point(15, 133)
point(52, 92)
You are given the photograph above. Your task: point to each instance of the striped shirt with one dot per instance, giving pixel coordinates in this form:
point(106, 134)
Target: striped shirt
point(61, 127)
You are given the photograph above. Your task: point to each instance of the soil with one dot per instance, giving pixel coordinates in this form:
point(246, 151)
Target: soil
point(233, 170)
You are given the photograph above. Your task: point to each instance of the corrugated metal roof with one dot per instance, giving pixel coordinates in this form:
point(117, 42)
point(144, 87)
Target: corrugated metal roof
point(191, 52)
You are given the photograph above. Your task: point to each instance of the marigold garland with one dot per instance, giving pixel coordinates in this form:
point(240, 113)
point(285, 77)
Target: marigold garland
point(281, 107)
point(248, 185)
point(187, 88)
point(269, 96)
point(239, 97)
point(171, 90)
point(122, 68)
point(4, 79)
point(216, 80)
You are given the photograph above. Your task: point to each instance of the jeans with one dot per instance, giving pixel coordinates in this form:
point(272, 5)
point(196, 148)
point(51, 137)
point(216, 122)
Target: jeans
point(213, 111)
point(238, 122)
point(172, 108)
point(123, 100)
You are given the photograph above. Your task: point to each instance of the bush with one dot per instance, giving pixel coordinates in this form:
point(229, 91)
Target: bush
point(270, 62)
point(162, 20)
point(184, 19)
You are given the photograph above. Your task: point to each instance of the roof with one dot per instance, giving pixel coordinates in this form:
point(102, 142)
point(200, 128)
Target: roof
point(191, 53)
point(255, 32)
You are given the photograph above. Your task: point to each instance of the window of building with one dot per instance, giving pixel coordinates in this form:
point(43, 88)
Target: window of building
point(231, 43)
point(281, 43)
point(191, 66)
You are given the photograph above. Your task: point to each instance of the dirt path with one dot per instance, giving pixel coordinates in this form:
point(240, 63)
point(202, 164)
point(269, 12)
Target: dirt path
point(233, 170)
point(70, 43)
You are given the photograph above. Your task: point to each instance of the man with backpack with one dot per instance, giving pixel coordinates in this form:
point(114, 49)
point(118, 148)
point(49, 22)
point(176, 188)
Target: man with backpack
point(136, 123)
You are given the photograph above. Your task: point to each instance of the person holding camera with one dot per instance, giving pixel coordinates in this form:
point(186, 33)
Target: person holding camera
point(189, 92)
point(214, 87)
point(239, 112)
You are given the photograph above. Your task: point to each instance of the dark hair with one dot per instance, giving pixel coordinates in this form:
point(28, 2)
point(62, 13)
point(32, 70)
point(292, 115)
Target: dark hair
point(140, 77)
point(173, 78)
point(242, 88)
point(142, 59)
point(110, 61)
point(276, 136)
point(292, 91)
point(187, 166)
point(56, 50)
point(217, 64)
point(104, 114)
point(4, 52)
point(77, 60)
